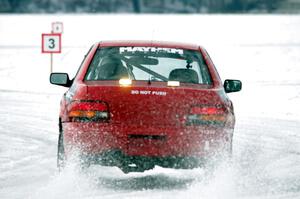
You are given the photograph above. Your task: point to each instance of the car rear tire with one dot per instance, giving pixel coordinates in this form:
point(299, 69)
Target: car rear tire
point(61, 159)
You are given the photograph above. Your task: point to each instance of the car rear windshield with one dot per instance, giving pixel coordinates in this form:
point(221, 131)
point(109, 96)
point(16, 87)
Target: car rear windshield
point(149, 64)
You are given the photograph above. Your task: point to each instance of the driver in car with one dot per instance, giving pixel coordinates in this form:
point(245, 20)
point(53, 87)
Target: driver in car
point(112, 68)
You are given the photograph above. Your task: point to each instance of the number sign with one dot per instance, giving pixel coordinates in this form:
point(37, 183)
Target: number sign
point(51, 43)
point(57, 27)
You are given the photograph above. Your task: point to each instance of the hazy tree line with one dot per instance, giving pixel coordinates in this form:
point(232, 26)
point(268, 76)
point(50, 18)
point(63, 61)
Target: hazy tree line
point(139, 6)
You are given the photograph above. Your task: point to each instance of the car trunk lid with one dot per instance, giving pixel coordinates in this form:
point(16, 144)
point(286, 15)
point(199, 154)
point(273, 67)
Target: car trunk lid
point(155, 104)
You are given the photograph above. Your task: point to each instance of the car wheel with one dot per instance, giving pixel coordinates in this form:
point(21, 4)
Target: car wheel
point(60, 149)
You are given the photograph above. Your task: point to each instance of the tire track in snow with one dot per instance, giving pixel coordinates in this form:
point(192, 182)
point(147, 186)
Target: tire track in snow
point(28, 139)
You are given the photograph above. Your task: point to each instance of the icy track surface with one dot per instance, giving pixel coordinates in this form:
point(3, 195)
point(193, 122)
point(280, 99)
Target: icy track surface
point(263, 51)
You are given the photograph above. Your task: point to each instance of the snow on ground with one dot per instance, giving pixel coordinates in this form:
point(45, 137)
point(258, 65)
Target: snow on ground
point(263, 51)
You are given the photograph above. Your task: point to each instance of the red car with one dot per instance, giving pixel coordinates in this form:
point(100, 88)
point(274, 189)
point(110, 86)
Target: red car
point(137, 104)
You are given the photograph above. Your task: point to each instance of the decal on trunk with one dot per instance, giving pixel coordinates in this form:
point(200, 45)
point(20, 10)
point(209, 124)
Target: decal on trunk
point(147, 92)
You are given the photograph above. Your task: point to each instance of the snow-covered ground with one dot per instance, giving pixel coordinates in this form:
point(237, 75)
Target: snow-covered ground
point(263, 51)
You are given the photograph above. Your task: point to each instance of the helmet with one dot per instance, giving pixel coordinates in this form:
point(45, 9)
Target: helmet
point(112, 68)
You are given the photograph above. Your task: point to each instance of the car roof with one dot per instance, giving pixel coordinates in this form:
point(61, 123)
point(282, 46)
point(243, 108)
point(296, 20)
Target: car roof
point(148, 43)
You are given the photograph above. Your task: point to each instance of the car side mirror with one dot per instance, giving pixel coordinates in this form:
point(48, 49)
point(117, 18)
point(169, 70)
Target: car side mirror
point(232, 85)
point(61, 79)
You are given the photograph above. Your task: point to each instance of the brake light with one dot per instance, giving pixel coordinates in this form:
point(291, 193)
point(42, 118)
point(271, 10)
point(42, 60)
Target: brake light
point(206, 110)
point(125, 82)
point(88, 114)
point(173, 83)
point(207, 115)
point(88, 111)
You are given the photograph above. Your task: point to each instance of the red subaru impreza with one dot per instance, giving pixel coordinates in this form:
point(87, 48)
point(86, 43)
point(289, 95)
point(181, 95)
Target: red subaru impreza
point(137, 104)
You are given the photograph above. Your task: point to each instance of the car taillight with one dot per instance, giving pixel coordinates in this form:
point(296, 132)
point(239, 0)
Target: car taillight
point(207, 115)
point(86, 111)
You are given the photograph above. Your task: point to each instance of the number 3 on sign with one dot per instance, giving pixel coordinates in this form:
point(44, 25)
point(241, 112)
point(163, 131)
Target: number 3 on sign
point(51, 43)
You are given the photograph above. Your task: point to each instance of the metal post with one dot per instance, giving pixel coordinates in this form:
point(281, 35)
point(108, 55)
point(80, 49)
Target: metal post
point(51, 62)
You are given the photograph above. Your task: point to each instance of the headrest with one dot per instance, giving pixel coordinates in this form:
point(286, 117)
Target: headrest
point(184, 75)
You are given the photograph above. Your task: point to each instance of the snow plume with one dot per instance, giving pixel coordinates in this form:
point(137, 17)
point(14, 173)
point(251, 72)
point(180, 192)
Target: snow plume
point(71, 182)
point(220, 184)
point(244, 175)
point(111, 182)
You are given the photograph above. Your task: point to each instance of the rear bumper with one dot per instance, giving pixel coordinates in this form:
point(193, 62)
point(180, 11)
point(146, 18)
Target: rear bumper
point(95, 139)
point(121, 160)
